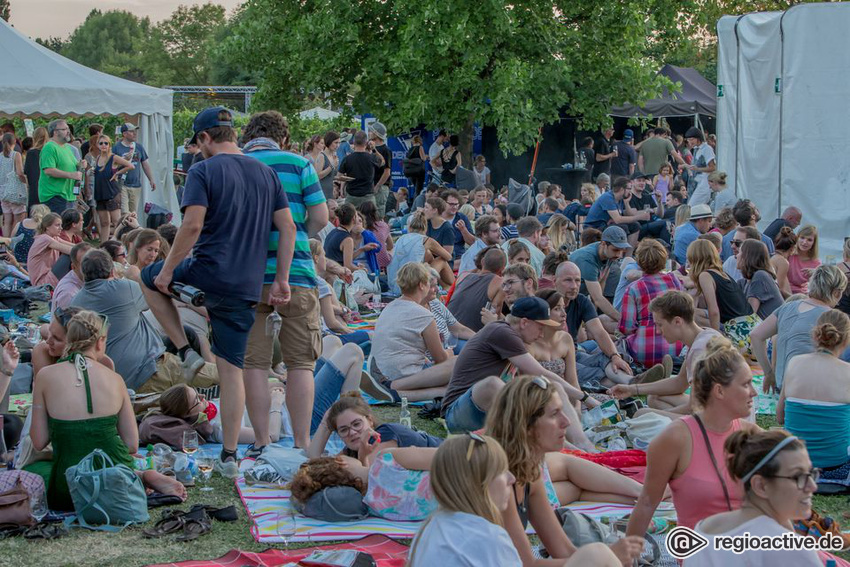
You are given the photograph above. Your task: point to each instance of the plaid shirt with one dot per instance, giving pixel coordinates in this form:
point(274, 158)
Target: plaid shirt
point(646, 345)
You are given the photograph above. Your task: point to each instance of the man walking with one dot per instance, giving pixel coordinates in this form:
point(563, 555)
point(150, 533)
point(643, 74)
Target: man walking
point(230, 204)
point(383, 173)
point(361, 165)
point(59, 169)
point(134, 152)
point(264, 135)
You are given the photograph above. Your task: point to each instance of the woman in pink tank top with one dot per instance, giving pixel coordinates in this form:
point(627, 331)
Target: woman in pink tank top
point(688, 455)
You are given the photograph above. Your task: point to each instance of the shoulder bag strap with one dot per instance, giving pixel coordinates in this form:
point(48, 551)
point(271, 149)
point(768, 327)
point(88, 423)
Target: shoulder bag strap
point(714, 461)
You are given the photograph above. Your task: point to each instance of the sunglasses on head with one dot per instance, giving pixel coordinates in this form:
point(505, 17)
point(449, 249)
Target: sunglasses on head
point(473, 438)
point(540, 382)
point(64, 317)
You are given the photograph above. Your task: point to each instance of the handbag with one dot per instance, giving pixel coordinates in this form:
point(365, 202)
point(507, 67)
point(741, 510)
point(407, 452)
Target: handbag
point(582, 530)
point(15, 506)
point(105, 493)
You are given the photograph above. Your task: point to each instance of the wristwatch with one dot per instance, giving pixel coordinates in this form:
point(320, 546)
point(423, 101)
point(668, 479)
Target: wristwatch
point(584, 397)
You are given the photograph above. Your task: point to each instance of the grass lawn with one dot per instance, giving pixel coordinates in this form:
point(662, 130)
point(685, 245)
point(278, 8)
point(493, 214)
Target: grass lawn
point(129, 548)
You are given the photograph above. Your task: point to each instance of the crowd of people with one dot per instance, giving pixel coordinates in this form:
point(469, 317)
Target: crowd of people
point(654, 287)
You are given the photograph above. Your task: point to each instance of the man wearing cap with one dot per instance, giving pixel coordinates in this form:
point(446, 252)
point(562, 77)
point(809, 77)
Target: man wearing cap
point(642, 200)
point(613, 208)
point(483, 364)
point(131, 187)
point(700, 223)
point(626, 159)
point(594, 261)
point(361, 165)
point(703, 164)
point(604, 152)
point(383, 173)
point(344, 147)
point(230, 204)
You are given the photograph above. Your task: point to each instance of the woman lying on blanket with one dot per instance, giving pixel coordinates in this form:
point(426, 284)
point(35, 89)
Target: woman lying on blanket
point(527, 419)
point(337, 371)
point(471, 483)
point(779, 481)
point(688, 454)
point(80, 405)
point(351, 418)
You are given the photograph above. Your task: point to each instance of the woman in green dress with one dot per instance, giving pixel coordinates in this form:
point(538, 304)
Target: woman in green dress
point(80, 405)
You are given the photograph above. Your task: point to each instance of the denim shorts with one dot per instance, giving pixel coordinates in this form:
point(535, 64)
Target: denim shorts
point(328, 383)
point(230, 319)
point(463, 415)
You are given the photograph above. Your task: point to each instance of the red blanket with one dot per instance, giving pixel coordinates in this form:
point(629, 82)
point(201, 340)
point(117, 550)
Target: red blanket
point(387, 553)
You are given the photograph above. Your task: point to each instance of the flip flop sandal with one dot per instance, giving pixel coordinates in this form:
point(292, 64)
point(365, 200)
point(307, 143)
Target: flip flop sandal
point(226, 514)
point(172, 521)
point(11, 530)
point(43, 530)
point(195, 528)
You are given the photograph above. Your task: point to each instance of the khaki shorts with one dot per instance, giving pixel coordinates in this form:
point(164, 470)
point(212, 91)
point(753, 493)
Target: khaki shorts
point(300, 332)
point(169, 372)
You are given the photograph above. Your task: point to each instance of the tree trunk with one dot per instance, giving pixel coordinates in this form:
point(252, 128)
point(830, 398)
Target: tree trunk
point(466, 135)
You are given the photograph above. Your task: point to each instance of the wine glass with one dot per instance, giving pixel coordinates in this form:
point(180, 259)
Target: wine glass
point(287, 526)
point(38, 506)
point(451, 342)
point(205, 464)
point(190, 441)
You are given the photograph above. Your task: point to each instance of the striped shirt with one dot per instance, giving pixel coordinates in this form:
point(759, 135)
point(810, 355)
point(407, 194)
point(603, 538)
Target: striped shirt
point(301, 183)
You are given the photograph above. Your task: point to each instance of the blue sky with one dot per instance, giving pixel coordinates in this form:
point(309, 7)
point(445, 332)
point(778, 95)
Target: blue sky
point(28, 16)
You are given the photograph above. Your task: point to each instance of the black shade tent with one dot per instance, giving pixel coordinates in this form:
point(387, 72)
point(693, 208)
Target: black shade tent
point(696, 98)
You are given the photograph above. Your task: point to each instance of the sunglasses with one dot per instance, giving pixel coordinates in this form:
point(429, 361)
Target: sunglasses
point(64, 317)
point(473, 439)
point(103, 143)
point(736, 242)
point(540, 382)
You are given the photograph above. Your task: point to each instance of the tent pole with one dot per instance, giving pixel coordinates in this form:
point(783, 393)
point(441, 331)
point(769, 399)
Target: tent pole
point(536, 151)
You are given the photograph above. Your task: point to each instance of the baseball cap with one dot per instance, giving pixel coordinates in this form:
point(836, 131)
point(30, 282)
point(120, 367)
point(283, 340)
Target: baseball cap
point(379, 129)
point(641, 175)
point(694, 132)
point(701, 212)
point(616, 236)
point(127, 127)
point(628, 135)
point(534, 309)
point(208, 118)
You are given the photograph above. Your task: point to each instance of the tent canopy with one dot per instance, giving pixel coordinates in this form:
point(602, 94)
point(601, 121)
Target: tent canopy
point(39, 82)
point(320, 113)
point(696, 97)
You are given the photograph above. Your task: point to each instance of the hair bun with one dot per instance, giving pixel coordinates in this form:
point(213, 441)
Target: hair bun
point(786, 231)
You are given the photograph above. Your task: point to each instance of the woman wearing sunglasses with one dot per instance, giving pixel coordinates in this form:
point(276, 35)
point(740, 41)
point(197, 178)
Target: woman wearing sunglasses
point(107, 193)
point(80, 405)
point(779, 481)
point(688, 453)
point(528, 421)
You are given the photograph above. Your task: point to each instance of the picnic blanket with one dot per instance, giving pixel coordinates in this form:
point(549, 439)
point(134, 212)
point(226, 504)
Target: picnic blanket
point(386, 552)
point(270, 511)
point(765, 404)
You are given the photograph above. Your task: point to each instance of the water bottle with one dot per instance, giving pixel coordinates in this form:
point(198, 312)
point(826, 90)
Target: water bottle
point(273, 323)
point(404, 414)
point(188, 294)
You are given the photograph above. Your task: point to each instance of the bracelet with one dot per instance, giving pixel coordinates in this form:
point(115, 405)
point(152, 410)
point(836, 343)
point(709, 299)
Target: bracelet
point(637, 390)
point(5, 373)
point(276, 411)
point(584, 397)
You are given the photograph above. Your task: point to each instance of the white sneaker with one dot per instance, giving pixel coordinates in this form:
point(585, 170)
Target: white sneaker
point(191, 365)
point(228, 468)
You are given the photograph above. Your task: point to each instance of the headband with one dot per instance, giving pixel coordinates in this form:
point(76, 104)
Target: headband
point(779, 446)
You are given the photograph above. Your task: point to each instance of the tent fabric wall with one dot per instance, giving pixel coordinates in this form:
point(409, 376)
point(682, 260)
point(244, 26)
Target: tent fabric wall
point(40, 82)
point(782, 127)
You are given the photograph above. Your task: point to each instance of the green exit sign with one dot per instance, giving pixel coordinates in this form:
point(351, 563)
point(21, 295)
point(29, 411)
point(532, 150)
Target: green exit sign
point(720, 92)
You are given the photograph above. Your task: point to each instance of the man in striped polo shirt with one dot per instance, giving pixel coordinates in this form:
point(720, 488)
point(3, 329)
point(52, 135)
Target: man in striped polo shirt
point(300, 331)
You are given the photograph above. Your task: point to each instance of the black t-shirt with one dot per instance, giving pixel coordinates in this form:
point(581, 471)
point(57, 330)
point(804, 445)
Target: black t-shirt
point(639, 202)
point(602, 146)
point(84, 148)
point(670, 213)
point(626, 156)
point(774, 228)
point(589, 157)
point(445, 235)
point(580, 310)
point(361, 166)
point(388, 161)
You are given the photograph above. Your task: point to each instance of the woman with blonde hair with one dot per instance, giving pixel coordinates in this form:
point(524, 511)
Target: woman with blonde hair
point(107, 193)
point(562, 235)
point(415, 246)
point(528, 420)
point(727, 308)
point(688, 453)
point(724, 222)
point(804, 260)
point(814, 403)
point(32, 168)
point(80, 405)
point(718, 199)
point(792, 325)
point(785, 243)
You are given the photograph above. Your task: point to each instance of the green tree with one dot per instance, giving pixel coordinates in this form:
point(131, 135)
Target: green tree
point(188, 38)
point(116, 42)
point(53, 43)
point(510, 65)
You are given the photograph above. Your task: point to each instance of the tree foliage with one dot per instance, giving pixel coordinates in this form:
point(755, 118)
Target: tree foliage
point(189, 37)
point(513, 65)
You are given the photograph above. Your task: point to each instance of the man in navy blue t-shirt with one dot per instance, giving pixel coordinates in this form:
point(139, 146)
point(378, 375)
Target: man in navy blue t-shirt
point(460, 224)
point(230, 204)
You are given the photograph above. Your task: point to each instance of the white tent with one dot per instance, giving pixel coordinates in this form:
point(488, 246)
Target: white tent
point(782, 124)
point(39, 82)
point(320, 113)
